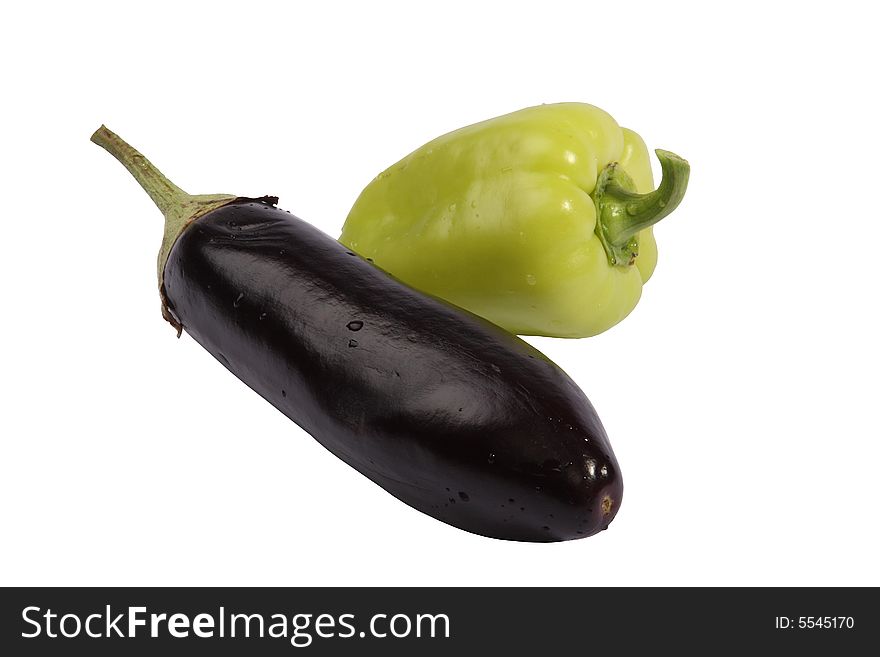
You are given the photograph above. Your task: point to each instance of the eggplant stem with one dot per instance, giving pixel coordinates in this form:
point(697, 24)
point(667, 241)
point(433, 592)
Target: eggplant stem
point(165, 194)
point(180, 209)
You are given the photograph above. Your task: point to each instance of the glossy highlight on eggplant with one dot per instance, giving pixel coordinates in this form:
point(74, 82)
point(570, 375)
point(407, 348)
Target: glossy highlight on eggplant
point(446, 411)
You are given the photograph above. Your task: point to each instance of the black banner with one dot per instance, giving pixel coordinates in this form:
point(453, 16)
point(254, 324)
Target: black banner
point(438, 621)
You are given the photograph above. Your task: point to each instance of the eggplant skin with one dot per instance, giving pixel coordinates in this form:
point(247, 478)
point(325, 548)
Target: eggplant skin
point(444, 410)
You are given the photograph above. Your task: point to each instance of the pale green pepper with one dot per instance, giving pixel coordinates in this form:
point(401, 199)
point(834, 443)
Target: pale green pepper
point(539, 220)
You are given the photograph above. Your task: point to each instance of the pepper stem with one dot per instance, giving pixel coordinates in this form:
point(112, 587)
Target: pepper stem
point(180, 209)
point(621, 213)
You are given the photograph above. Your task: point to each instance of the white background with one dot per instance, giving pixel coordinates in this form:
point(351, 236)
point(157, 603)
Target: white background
point(741, 396)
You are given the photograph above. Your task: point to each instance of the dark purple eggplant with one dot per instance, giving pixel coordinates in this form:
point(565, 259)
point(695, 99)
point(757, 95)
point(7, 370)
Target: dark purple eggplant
point(444, 410)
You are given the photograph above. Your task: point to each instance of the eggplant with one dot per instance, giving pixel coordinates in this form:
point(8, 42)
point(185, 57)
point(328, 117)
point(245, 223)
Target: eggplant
point(444, 410)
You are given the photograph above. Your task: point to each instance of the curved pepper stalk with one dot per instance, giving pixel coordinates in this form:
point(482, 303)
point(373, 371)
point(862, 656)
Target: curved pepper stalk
point(621, 213)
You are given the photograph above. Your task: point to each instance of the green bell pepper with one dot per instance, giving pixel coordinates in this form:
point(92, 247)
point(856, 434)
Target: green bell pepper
point(539, 220)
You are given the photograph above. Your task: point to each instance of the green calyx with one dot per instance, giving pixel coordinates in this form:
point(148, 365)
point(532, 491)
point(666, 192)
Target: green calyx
point(621, 212)
point(180, 209)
